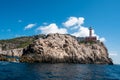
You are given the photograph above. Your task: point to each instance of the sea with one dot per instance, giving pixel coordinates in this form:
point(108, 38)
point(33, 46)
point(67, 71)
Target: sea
point(59, 71)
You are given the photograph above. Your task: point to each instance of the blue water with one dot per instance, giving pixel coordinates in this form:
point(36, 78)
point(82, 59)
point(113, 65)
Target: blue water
point(45, 71)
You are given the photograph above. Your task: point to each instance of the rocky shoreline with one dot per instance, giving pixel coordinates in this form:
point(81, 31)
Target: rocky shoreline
point(12, 55)
point(61, 48)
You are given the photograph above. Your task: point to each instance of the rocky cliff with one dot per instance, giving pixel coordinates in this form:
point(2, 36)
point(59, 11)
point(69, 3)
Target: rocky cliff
point(65, 48)
point(11, 55)
point(12, 52)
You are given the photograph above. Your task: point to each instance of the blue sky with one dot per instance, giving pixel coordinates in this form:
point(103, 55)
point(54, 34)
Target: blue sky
point(30, 17)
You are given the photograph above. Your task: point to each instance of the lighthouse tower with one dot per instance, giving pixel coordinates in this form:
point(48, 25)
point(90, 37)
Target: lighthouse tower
point(90, 32)
point(90, 38)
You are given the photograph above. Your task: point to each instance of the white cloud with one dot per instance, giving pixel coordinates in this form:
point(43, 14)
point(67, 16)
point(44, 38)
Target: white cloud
point(74, 24)
point(80, 21)
point(52, 28)
point(102, 39)
point(74, 21)
point(82, 32)
point(29, 26)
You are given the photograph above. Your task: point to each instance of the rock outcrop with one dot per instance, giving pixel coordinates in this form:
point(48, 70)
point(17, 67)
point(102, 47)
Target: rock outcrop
point(65, 48)
point(12, 52)
point(11, 55)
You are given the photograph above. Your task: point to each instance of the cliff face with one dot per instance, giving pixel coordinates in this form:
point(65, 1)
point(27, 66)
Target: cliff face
point(64, 48)
point(12, 49)
point(12, 52)
point(11, 55)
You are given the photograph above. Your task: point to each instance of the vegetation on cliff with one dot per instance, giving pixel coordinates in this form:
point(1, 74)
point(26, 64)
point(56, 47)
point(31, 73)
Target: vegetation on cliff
point(20, 42)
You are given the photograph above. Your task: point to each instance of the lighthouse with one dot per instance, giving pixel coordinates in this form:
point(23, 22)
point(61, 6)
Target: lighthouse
point(90, 32)
point(90, 37)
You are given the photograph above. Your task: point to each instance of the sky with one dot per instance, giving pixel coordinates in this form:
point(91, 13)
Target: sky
point(31, 17)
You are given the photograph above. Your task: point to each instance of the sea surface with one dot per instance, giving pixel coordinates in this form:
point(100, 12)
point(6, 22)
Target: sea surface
point(46, 71)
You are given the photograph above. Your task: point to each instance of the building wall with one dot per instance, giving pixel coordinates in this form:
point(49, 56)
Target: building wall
point(90, 39)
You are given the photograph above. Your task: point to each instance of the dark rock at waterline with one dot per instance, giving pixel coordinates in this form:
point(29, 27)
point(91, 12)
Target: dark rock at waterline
point(9, 58)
